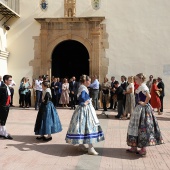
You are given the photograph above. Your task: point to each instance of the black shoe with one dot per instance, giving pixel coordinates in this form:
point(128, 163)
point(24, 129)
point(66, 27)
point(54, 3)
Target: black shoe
point(40, 137)
point(110, 108)
point(47, 139)
point(12, 105)
point(114, 108)
point(117, 117)
point(8, 137)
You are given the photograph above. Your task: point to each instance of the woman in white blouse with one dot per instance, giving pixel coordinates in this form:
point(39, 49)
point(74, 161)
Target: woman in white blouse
point(64, 99)
point(130, 97)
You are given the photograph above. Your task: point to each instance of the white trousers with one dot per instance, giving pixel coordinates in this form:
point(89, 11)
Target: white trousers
point(3, 131)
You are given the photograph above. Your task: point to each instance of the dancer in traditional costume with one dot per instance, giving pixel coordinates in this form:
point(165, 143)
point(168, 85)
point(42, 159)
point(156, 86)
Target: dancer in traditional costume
point(5, 97)
point(47, 121)
point(143, 129)
point(84, 126)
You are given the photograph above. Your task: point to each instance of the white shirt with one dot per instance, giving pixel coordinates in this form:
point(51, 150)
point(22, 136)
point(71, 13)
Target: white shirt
point(9, 93)
point(38, 85)
point(130, 86)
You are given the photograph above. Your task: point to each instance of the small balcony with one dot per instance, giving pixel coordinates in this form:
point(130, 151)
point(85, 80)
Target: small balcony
point(10, 8)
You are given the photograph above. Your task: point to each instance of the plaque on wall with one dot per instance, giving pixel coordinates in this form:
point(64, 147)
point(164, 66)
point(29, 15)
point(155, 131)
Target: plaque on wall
point(44, 5)
point(96, 4)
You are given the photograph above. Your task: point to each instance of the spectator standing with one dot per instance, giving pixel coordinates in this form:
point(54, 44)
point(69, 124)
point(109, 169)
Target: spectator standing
point(95, 92)
point(130, 97)
point(11, 87)
point(149, 82)
point(155, 94)
point(105, 87)
point(53, 91)
point(73, 86)
point(161, 88)
point(124, 85)
point(38, 87)
point(113, 102)
point(1, 82)
point(64, 99)
point(120, 97)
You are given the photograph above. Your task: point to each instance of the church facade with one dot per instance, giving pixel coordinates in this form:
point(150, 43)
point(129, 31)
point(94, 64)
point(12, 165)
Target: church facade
point(74, 37)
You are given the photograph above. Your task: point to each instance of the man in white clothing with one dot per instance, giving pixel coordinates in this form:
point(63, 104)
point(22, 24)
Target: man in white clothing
point(38, 87)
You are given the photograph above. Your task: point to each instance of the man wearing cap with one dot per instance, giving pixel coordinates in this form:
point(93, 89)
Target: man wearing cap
point(161, 88)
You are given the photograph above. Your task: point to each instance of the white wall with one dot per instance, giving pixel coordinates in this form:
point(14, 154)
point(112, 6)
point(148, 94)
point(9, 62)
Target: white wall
point(3, 44)
point(139, 32)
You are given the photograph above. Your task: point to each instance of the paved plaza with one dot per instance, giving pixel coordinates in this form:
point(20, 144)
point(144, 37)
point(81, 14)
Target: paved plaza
point(26, 153)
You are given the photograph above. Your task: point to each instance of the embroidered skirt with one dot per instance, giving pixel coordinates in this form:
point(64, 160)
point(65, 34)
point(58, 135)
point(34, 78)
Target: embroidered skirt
point(47, 121)
point(82, 128)
point(143, 129)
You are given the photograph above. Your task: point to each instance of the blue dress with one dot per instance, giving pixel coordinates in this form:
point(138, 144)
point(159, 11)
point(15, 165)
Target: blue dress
point(47, 121)
point(143, 129)
point(84, 126)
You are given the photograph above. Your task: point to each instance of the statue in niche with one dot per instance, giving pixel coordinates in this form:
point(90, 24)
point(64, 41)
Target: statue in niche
point(70, 8)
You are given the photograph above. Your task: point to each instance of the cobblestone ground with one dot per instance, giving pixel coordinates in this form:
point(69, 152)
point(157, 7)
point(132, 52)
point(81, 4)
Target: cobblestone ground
point(25, 153)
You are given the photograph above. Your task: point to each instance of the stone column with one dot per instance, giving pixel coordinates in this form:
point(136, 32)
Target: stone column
point(44, 41)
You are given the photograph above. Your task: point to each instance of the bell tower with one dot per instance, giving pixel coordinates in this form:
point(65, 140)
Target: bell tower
point(69, 8)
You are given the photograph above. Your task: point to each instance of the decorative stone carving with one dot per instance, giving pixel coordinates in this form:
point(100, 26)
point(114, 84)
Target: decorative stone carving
point(69, 8)
point(87, 30)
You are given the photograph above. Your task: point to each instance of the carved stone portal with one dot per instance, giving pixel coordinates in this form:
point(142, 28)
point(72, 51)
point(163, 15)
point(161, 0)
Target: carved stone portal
point(87, 30)
point(69, 8)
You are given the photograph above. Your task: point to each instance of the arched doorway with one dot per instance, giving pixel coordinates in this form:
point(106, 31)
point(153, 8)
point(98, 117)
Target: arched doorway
point(70, 58)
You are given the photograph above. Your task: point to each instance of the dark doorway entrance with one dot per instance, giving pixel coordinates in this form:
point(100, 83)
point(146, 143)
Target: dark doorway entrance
point(70, 58)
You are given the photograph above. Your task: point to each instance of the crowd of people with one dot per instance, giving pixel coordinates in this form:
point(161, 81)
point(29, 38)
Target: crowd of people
point(132, 99)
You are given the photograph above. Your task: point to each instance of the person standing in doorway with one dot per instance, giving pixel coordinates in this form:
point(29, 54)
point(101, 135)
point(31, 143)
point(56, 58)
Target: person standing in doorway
point(5, 96)
point(11, 87)
point(161, 88)
point(95, 92)
point(64, 99)
point(38, 87)
point(73, 92)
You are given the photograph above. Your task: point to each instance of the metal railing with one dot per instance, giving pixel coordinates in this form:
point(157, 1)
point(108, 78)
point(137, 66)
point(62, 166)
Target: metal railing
point(12, 4)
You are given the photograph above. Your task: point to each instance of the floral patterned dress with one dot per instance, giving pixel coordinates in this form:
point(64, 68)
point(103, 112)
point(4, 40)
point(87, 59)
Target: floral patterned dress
point(143, 129)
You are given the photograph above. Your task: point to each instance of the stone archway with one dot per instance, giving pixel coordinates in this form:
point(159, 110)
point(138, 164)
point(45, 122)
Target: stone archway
point(70, 58)
point(87, 30)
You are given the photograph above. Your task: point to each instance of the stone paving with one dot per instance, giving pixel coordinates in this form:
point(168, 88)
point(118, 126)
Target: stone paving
point(25, 153)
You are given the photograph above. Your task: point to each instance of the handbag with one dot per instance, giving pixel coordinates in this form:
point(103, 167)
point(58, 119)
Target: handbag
point(158, 93)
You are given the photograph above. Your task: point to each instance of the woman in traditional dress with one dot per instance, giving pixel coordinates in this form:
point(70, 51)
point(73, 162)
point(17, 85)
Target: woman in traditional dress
point(47, 121)
point(64, 99)
point(84, 126)
point(143, 129)
point(130, 97)
point(155, 100)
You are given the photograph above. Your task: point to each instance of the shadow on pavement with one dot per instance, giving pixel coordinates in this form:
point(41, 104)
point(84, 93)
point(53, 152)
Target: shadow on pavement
point(29, 143)
point(163, 118)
